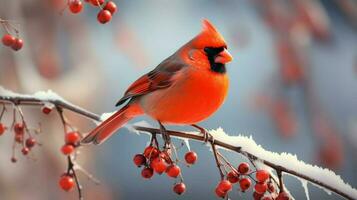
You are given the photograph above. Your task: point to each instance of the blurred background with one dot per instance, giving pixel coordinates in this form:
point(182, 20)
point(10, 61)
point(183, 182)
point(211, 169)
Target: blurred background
point(293, 88)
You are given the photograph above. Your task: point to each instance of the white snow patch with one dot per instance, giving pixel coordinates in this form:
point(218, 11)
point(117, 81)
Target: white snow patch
point(286, 160)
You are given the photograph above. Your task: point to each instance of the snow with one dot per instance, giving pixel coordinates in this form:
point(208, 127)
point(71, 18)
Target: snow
point(45, 96)
point(247, 144)
point(286, 160)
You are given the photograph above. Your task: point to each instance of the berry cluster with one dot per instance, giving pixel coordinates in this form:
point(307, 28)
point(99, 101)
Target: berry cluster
point(264, 188)
point(107, 9)
point(153, 160)
point(28, 143)
point(13, 42)
point(71, 142)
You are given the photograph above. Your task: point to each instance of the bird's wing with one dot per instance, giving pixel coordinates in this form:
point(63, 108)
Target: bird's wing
point(159, 78)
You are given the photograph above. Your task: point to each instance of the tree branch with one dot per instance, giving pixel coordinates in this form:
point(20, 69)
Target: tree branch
point(239, 150)
point(60, 103)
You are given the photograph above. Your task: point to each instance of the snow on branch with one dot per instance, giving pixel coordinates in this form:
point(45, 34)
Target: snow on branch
point(281, 163)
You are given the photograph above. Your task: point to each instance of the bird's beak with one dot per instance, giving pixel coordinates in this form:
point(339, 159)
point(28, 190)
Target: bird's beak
point(223, 57)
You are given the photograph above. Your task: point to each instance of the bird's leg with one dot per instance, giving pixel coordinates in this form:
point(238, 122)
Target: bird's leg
point(206, 135)
point(165, 136)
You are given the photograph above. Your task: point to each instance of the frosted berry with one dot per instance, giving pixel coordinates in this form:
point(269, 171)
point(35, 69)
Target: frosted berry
point(267, 198)
point(19, 138)
point(72, 138)
point(244, 184)
point(220, 193)
point(262, 175)
point(46, 110)
point(139, 160)
point(66, 182)
point(13, 160)
point(97, 2)
point(191, 157)
point(173, 171)
point(67, 149)
point(243, 168)
point(224, 186)
point(75, 6)
point(8, 40)
point(30, 142)
point(17, 45)
point(179, 188)
point(151, 152)
point(283, 196)
point(233, 177)
point(260, 188)
point(111, 7)
point(147, 172)
point(2, 129)
point(104, 16)
point(19, 129)
point(271, 187)
point(159, 165)
point(257, 196)
point(25, 150)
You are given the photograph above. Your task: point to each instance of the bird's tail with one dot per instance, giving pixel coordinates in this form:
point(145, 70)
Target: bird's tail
point(108, 127)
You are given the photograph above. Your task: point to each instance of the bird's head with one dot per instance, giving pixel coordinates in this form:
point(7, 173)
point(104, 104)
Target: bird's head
point(208, 49)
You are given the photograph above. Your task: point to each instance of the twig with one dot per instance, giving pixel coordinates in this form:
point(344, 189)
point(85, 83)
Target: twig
point(239, 150)
point(65, 105)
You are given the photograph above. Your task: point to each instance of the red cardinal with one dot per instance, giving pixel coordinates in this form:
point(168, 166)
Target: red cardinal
point(184, 89)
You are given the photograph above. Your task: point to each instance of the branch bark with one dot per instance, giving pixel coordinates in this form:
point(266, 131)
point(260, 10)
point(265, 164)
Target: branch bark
point(81, 111)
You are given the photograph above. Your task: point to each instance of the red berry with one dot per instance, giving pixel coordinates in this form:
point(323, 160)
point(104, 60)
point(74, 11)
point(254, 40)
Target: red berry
point(72, 138)
point(75, 6)
point(104, 16)
point(224, 186)
point(173, 171)
point(243, 168)
point(19, 138)
point(8, 40)
point(220, 193)
point(139, 160)
point(13, 159)
point(111, 7)
point(267, 198)
point(151, 152)
point(17, 45)
point(147, 172)
point(260, 188)
point(19, 129)
point(233, 177)
point(257, 196)
point(283, 196)
point(191, 157)
point(159, 165)
point(244, 183)
point(67, 149)
point(97, 2)
point(66, 182)
point(262, 175)
point(179, 188)
point(271, 187)
point(30, 142)
point(25, 150)
point(2, 129)
point(166, 156)
point(46, 109)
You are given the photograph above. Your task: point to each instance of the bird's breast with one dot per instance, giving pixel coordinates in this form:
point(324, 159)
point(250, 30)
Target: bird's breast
point(194, 96)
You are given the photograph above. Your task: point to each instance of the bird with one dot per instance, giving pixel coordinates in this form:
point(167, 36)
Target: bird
point(184, 89)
